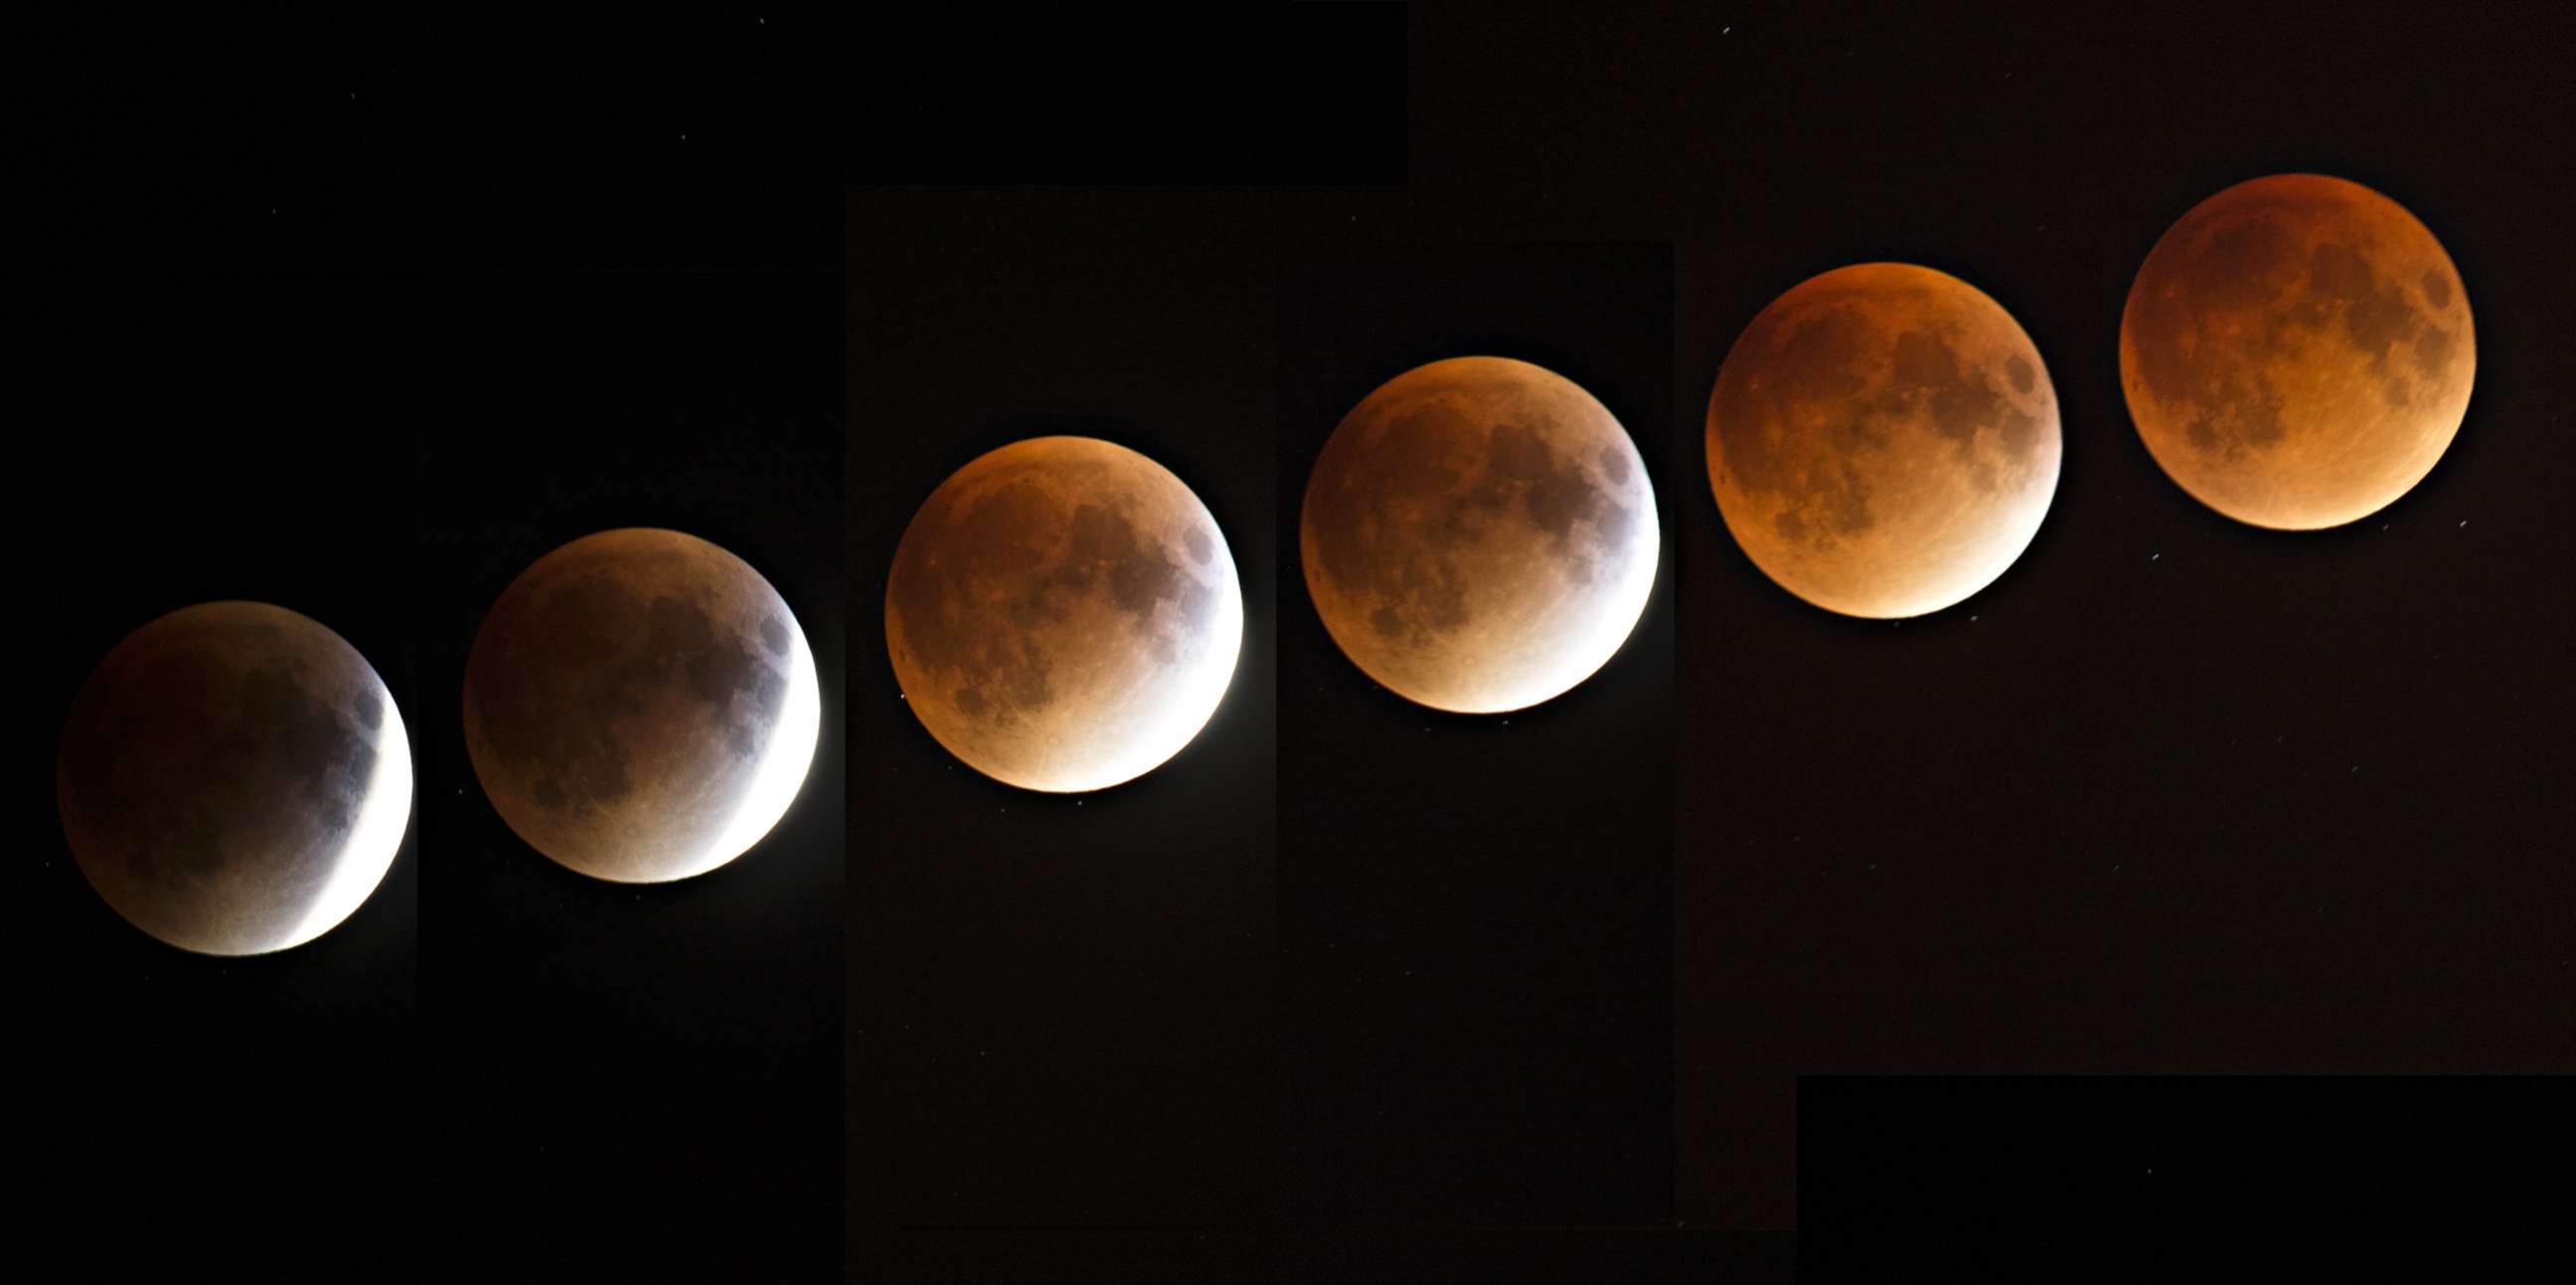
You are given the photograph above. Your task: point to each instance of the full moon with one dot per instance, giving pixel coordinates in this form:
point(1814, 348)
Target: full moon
point(234, 779)
point(1063, 614)
point(1479, 535)
point(1883, 440)
point(640, 706)
point(2297, 351)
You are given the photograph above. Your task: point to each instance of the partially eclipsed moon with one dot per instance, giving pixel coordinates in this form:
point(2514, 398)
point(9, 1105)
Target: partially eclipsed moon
point(1479, 535)
point(640, 706)
point(1063, 614)
point(234, 779)
point(1883, 440)
point(2297, 351)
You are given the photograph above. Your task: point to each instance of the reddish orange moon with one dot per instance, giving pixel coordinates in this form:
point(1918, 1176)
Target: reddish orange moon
point(1883, 440)
point(1479, 535)
point(2297, 352)
point(1063, 614)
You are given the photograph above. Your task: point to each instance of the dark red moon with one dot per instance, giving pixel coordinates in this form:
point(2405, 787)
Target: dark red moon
point(1883, 440)
point(2297, 352)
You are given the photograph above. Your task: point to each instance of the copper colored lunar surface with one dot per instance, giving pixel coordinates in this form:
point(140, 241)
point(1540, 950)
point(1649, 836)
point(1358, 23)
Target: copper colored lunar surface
point(1063, 614)
point(234, 779)
point(1479, 535)
point(640, 706)
point(2297, 351)
point(1883, 440)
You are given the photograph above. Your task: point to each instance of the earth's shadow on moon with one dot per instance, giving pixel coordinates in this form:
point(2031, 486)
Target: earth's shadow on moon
point(1475, 530)
point(624, 697)
point(1604, 685)
point(1752, 298)
point(2216, 191)
point(1885, 439)
point(2138, 485)
point(1223, 725)
point(219, 770)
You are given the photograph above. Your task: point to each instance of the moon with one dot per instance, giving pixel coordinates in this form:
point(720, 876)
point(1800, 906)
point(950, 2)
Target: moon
point(1883, 440)
point(2297, 352)
point(234, 779)
point(1063, 614)
point(640, 706)
point(1479, 535)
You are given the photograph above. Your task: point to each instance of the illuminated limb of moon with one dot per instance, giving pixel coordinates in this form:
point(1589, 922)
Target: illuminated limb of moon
point(1883, 440)
point(1063, 614)
point(641, 706)
point(234, 779)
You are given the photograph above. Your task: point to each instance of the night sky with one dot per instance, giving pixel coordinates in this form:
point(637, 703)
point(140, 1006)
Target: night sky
point(2173, 794)
point(1347, 988)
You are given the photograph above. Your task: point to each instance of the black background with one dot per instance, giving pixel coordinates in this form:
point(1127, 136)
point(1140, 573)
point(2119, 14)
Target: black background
point(2091, 852)
point(2029, 1175)
point(2173, 794)
point(619, 1075)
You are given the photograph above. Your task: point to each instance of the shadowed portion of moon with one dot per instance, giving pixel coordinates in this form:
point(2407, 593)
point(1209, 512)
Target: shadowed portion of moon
point(234, 778)
point(1883, 440)
point(1479, 535)
point(1063, 614)
point(640, 705)
point(2297, 351)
